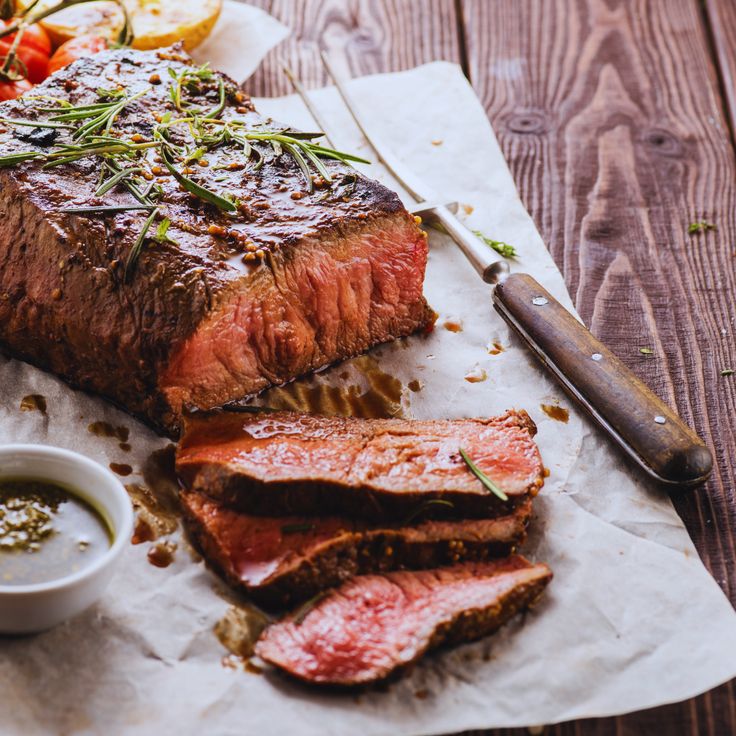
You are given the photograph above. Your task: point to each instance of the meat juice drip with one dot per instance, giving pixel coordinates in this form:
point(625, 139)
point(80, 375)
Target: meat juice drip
point(121, 469)
point(495, 348)
point(380, 399)
point(156, 501)
point(453, 325)
point(238, 631)
point(556, 412)
point(162, 554)
point(33, 402)
point(105, 429)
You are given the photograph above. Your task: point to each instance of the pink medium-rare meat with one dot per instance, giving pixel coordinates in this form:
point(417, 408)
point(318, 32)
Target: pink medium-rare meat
point(226, 303)
point(282, 560)
point(285, 463)
point(375, 625)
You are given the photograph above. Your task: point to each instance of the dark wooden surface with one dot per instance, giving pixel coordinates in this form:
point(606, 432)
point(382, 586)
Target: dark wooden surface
point(616, 118)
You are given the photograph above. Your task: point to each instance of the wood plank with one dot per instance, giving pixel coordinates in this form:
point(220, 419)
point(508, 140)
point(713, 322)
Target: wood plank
point(720, 17)
point(610, 116)
point(361, 38)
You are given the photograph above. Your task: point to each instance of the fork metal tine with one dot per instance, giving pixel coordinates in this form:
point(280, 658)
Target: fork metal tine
point(311, 107)
point(407, 180)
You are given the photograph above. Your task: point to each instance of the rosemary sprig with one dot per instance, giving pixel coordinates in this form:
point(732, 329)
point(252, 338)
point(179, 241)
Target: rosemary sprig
point(103, 118)
point(303, 611)
point(701, 226)
point(426, 506)
point(503, 249)
point(248, 409)
point(482, 477)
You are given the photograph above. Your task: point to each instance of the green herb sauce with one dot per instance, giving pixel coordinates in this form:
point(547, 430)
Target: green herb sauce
point(46, 532)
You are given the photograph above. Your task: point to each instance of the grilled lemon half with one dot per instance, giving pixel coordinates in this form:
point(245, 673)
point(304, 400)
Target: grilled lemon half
point(155, 23)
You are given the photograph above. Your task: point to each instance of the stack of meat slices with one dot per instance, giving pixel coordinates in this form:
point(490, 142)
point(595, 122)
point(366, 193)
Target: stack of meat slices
point(380, 525)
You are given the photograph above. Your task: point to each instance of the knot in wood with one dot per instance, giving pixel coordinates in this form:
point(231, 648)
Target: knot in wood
point(662, 142)
point(527, 123)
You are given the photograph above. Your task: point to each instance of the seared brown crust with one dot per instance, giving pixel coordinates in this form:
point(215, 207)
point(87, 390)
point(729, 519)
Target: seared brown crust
point(63, 303)
point(374, 627)
point(378, 469)
point(301, 558)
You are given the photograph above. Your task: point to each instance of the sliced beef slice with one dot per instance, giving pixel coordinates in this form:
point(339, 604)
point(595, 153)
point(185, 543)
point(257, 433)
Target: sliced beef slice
point(196, 325)
point(290, 463)
point(375, 625)
point(278, 561)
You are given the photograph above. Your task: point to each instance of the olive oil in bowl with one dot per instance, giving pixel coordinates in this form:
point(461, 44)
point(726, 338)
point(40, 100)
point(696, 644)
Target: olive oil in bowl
point(47, 532)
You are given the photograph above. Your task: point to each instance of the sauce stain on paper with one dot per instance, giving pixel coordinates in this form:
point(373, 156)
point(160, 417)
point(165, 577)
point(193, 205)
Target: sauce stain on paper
point(238, 630)
point(476, 375)
point(121, 469)
point(162, 554)
point(558, 413)
point(105, 429)
point(495, 348)
point(379, 399)
point(156, 501)
point(33, 402)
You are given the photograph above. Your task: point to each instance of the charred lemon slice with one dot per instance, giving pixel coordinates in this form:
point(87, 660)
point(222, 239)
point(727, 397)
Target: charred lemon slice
point(155, 23)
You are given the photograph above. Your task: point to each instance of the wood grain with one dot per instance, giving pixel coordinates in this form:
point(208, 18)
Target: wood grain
point(611, 114)
point(361, 38)
point(720, 18)
point(611, 119)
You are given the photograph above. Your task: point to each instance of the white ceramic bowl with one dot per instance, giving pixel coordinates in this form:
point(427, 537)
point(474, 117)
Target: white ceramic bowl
point(28, 608)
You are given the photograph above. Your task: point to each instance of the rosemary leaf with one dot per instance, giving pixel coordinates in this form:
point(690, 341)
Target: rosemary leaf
point(238, 408)
point(135, 251)
point(503, 249)
point(161, 235)
point(196, 189)
point(215, 112)
point(34, 123)
point(13, 159)
point(701, 226)
point(105, 209)
point(303, 611)
point(482, 477)
point(728, 372)
point(646, 351)
point(321, 168)
point(114, 180)
point(301, 162)
point(424, 507)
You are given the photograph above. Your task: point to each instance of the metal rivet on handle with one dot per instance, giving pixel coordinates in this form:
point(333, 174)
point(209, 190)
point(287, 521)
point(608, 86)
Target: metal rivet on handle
point(539, 301)
point(597, 357)
point(660, 419)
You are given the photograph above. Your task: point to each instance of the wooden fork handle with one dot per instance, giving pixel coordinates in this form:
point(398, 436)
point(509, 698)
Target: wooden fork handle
point(641, 423)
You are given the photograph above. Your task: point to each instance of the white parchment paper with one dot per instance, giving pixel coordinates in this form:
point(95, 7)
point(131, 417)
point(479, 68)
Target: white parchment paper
point(631, 620)
point(242, 36)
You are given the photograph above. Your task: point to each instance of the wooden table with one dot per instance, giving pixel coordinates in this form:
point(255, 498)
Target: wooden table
point(617, 120)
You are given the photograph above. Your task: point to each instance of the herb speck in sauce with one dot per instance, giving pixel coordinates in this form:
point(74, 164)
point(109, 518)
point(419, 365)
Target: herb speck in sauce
point(47, 532)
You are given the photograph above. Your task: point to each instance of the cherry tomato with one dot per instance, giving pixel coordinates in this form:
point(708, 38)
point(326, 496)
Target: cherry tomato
point(11, 90)
point(77, 48)
point(33, 51)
